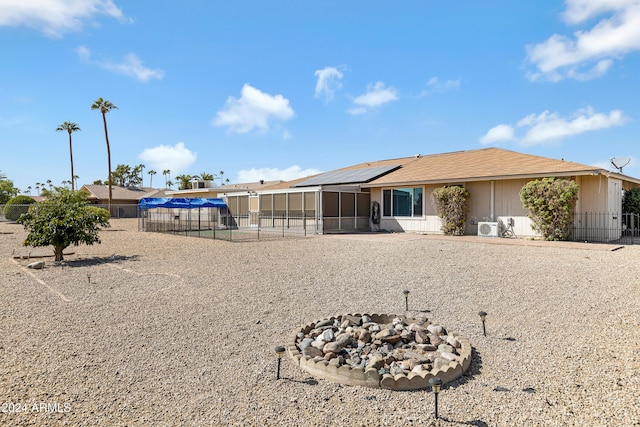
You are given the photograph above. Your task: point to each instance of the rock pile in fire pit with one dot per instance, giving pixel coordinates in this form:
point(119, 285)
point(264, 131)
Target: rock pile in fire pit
point(388, 346)
point(395, 348)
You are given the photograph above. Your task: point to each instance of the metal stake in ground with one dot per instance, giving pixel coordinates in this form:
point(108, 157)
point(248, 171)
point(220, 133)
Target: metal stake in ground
point(406, 299)
point(435, 384)
point(483, 316)
point(279, 352)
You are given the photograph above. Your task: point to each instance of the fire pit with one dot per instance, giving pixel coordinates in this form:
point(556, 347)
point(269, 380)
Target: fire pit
point(380, 350)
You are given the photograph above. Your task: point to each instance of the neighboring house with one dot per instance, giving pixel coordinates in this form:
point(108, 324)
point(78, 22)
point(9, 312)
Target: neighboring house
point(124, 200)
point(342, 200)
point(208, 189)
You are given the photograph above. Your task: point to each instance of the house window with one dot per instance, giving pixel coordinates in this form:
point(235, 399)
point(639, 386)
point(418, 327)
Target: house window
point(402, 202)
point(386, 203)
point(417, 201)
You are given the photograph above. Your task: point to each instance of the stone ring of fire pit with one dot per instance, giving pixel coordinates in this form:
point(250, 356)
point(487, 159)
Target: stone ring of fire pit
point(380, 350)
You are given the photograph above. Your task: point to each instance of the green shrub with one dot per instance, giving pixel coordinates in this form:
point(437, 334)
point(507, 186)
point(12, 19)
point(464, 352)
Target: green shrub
point(17, 206)
point(631, 201)
point(102, 214)
point(451, 205)
point(550, 202)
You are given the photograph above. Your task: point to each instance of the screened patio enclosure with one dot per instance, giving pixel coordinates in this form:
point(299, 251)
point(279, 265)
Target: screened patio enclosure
point(315, 210)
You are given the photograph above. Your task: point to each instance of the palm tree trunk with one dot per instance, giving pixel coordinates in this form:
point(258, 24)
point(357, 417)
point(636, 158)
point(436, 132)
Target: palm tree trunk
point(71, 156)
point(106, 135)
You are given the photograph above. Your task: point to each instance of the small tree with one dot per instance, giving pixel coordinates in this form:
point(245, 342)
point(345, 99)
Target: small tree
point(550, 202)
point(63, 219)
point(450, 204)
point(7, 190)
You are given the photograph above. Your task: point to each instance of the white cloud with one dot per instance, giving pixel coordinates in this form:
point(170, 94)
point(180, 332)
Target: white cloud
point(590, 52)
point(498, 133)
point(328, 83)
point(176, 158)
point(269, 174)
point(130, 66)
point(253, 110)
point(547, 126)
point(435, 85)
point(55, 17)
point(377, 95)
point(356, 111)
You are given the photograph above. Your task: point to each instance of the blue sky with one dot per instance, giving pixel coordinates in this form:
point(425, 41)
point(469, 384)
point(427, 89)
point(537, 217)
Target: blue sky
point(284, 89)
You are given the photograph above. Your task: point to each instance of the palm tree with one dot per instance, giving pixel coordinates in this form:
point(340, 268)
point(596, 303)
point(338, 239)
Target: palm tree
point(69, 127)
point(207, 176)
point(29, 190)
point(38, 187)
point(49, 184)
point(221, 177)
point(105, 106)
point(75, 180)
point(141, 168)
point(165, 173)
point(151, 173)
point(185, 181)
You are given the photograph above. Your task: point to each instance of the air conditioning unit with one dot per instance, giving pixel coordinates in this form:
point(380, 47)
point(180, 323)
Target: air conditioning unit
point(488, 229)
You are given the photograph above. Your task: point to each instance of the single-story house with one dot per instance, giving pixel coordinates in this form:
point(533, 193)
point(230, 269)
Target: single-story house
point(399, 191)
point(124, 200)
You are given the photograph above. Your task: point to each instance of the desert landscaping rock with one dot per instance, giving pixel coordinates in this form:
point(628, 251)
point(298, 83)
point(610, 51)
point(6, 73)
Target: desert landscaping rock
point(396, 349)
point(166, 333)
point(38, 265)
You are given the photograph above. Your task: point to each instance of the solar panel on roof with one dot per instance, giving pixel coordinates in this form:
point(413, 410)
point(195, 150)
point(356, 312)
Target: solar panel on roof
point(351, 176)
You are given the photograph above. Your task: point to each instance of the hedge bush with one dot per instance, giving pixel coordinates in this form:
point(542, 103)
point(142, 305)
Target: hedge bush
point(550, 202)
point(17, 206)
point(451, 205)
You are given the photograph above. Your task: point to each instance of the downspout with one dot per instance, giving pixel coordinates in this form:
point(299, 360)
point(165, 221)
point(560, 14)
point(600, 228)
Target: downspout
point(320, 211)
point(492, 202)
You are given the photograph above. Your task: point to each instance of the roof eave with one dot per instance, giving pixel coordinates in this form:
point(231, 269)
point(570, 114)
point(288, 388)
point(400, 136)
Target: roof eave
point(488, 178)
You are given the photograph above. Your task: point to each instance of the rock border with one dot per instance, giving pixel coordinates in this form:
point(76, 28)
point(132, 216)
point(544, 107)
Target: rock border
point(345, 374)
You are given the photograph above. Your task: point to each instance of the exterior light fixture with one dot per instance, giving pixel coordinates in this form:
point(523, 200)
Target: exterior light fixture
point(406, 299)
point(279, 352)
point(436, 384)
point(483, 316)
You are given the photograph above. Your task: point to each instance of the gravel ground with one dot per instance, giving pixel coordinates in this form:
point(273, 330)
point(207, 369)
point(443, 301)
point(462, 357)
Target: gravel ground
point(181, 331)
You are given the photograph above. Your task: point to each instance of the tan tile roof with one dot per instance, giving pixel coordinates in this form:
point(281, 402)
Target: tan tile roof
point(101, 192)
point(247, 186)
point(487, 163)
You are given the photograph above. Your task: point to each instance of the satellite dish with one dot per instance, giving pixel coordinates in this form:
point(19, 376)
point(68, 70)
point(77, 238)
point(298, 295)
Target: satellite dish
point(619, 163)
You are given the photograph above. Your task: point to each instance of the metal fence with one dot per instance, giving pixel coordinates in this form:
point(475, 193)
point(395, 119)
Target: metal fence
point(213, 223)
point(606, 227)
point(117, 211)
